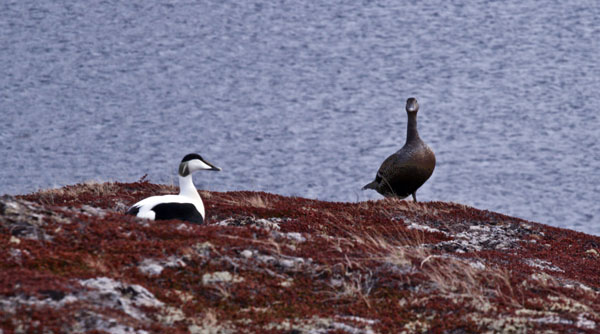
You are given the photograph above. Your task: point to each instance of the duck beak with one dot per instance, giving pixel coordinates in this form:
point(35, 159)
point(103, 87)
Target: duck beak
point(213, 167)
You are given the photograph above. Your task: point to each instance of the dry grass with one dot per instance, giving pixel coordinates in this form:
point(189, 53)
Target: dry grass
point(205, 194)
point(209, 324)
point(96, 263)
point(355, 279)
point(358, 286)
point(462, 281)
point(223, 291)
point(49, 196)
point(458, 280)
point(255, 201)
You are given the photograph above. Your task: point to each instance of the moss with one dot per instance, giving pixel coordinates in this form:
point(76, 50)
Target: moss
point(361, 260)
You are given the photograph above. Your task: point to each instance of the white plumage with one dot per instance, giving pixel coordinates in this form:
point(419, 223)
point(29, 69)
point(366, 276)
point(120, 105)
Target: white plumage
point(187, 205)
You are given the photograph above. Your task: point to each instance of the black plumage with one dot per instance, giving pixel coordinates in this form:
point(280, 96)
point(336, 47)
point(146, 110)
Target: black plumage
point(187, 205)
point(181, 211)
point(403, 172)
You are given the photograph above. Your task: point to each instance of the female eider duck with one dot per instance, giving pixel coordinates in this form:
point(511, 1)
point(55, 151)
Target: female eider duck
point(187, 205)
point(403, 172)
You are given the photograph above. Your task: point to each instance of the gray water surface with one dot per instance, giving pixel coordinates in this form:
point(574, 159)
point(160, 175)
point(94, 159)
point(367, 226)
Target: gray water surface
point(307, 98)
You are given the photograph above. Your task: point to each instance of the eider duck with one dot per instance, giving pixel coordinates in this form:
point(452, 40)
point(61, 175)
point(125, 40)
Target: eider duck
point(403, 172)
point(187, 205)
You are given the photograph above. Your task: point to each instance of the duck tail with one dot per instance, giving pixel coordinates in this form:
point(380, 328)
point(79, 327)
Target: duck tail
point(372, 185)
point(133, 210)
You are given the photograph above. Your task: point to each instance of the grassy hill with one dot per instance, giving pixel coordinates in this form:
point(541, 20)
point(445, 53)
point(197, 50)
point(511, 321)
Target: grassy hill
point(263, 263)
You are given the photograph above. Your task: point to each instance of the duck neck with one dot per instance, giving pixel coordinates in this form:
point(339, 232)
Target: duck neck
point(187, 187)
point(411, 132)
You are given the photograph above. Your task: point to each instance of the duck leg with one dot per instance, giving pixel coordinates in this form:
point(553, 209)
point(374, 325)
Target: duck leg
point(414, 196)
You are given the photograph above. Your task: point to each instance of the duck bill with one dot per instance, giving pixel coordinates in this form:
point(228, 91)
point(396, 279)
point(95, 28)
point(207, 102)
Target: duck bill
point(212, 167)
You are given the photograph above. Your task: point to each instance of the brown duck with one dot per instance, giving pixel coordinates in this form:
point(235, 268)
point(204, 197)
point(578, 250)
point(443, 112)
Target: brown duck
point(403, 172)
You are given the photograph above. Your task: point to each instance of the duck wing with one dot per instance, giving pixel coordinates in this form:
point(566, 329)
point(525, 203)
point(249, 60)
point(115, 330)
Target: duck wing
point(181, 211)
point(399, 174)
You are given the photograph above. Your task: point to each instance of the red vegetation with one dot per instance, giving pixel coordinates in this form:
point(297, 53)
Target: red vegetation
point(266, 263)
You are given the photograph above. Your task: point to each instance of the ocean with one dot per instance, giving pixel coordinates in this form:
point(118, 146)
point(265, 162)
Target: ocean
point(306, 98)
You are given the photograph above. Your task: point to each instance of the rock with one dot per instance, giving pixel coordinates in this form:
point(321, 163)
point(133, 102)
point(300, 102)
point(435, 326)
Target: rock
point(74, 263)
point(220, 277)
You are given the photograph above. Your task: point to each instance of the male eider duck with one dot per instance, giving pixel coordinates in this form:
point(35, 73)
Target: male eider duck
point(403, 172)
point(187, 205)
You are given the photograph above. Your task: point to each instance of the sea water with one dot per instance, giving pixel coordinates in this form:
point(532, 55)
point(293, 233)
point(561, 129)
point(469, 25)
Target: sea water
point(306, 98)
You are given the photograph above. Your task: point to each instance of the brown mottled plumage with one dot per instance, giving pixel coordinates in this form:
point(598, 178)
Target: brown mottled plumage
point(403, 172)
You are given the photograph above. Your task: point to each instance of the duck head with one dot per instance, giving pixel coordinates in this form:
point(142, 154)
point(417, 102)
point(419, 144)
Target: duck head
point(194, 162)
point(412, 106)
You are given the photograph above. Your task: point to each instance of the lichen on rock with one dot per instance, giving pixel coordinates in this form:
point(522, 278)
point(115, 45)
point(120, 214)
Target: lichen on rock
point(74, 262)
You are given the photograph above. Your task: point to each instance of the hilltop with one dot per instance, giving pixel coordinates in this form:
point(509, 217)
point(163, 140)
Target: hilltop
point(265, 263)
